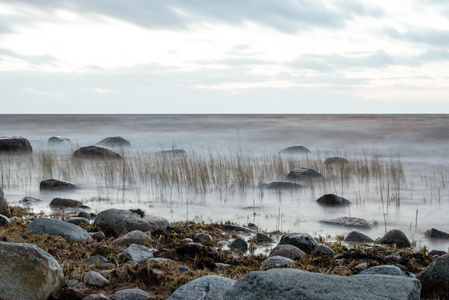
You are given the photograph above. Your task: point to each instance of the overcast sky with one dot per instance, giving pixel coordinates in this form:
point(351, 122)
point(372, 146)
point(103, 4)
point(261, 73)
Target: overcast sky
point(224, 56)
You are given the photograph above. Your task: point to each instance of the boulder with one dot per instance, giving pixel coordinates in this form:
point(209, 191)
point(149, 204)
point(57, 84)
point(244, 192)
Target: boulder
point(95, 279)
point(136, 253)
point(322, 250)
point(56, 185)
point(280, 185)
point(435, 278)
point(210, 287)
point(55, 227)
point(332, 200)
point(292, 284)
point(58, 140)
point(65, 203)
point(356, 236)
point(288, 251)
point(348, 221)
point(397, 237)
point(297, 149)
point(28, 272)
point(29, 201)
point(133, 237)
point(83, 214)
point(202, 237)
point(239, 245)
point(116, 221)
point(384, 270)
point(303, 241)
point(78, 221)
point(277, 262)
point(15, 144)
point(437, 234)
point(130, 294)
point(114, 141)
point(335, 161)
point(303, 173)
point(96, 152)
point(4, 220)
point(4, 209)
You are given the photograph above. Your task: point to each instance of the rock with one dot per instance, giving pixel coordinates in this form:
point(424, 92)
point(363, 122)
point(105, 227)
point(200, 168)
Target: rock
point(279, 185)
point(235, 228)
point(56, 185)
point(183, 269)
point(397, 237)
point(65, 203)
point(191, 250)
point(384, 270)
point(210, 287)
point(332, 199)
point(29, 201)
point(158, 260)
point(291, 284)
point(322, 250)
point(95, 279)
point(437, 234)
point(130, 294)
point(238, 245)
point(435, 278)
point(335, 161)
point(55, 227)
point(73, 292)
point(277, 261)
point(288, 251)
point(297, 149)
point(116, 221)
point(356, 236)
point(303, 241)
point(202, 237)
point(28, 272)
point(133, 237)
point(99, 296)
point(83, 214)
point(4, 209)
point(361, 267)
point(98, 236)
point(114, 141)
point(58, 140)
point(4, 220)
point(222, 266)
point(303, 173)
point(96, 152)
point(262, 238)
point(15, 144)
point(78, 221)
point(173, 152)
point(95, 260)
point(348, 221)
point(137, 253)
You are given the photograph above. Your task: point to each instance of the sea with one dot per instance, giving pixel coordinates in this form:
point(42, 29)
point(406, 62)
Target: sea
point(418, 143)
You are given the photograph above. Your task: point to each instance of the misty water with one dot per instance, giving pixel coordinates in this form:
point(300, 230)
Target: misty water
point(415, 201)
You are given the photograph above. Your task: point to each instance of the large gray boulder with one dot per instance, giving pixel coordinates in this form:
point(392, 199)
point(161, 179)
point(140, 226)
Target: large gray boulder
point(333, 200)
point(297, 149)
point(303, 173)
point(348, 221)
point(436, 276)
point(114, 141)
point(292, 284)
point(116, 221)
point(96, 152)
point(15, 144)
point(4, 209)
point(303, 241)
point(28, 272)
point(55, 227)
point(56, 185)
point(280, 185)
point(210, 287)
point(397, 237)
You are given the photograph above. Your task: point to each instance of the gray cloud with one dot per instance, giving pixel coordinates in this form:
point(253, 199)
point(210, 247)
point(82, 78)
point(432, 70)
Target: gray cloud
point(427, 36)
point(33, 59)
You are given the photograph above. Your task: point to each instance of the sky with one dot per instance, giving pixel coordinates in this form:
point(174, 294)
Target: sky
point(216, 56)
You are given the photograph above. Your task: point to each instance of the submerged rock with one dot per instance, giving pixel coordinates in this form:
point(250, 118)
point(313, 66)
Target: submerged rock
point(55, 227)
point(210, 287)
point(58, 140)
point(332, 199)
point(15, 144)
point(114, 141)
point(348, 221)
point(96, 152)
point(56, 185)
point(335, 161)
point(397, 237)
point(437, 234)
point(280, 185)
point(303, 173)
point(297, 149)
point(303, 241)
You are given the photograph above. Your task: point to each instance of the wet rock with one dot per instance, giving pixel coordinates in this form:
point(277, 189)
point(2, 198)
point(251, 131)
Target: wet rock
point(57, 185)
point(332, 200)
point(15, 144)
point(173, 153)
point(348, 221)
point(222, 244)
point(303, 241)
point(28, 272)
point(397, 237)
point(114, 141)
point(335, 161)
point(95, 279)
point(202, 237)
point(191, 250)
point(116, 221)
point(262, 238)
point(4, 209)
point(183, 269)
point(65, 203)
point(83, 214)
point(98, 236)
point(222, 266)
point(361, 267)
point(74, 292)
point(130, 294)
point(277, 262)
point(435, 278)
point(322, 250)
point(78, 221)
point(384, 270)
point(288, 251)
point(210, 287)
point(437, 234)
point(96, 152)
point(356, 236)
point(29, 201)
point(238, 245)
point(437, 252)
point(137, 253)
point(133, 237)
point(95, 260)
point(55, 227)
point(289, 284)
point(235, 228)
point(4, 220)
point(297, 149)
point(58, 140)
point(279, 185)
point(303, 173)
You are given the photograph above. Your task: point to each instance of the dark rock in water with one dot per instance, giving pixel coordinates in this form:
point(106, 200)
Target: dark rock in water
point(291, 284)
point(173, 152)
point(65, 203)
point(114, 141)
point(298, 149)
point(29, 200)
point(384, 270)
point(55, 227)
point(56, 185)
point(335, 161)
point(303, 241)
point(58, 140)
point(130, 294)
point(4, 220)
point(28, 272)
point(96, 152)
point(211, 287)
point(280, 185)
point(435, 278)
point(397, 237)
point(332, 199)
point(288, 251)
point(116, 221)
point(238, 245)
point(303, 173)
point(262, 238)
point(348, 221)
point(277, 261)
point(437, 234)
point(4, 209)
point(15, 144)
point(322, 250)
point(356, 236)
